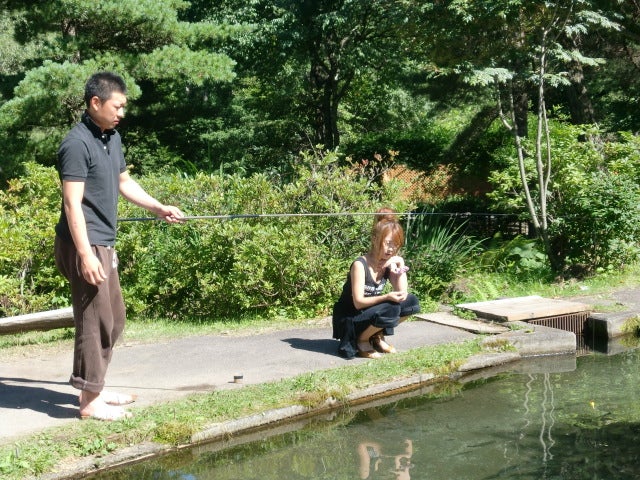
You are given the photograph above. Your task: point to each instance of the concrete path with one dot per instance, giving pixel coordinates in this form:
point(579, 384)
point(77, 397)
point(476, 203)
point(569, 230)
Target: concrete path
point(35, 394)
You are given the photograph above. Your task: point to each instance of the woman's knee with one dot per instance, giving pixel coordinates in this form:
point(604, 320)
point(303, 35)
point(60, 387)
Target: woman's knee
point(389, 310)
point(410, 306)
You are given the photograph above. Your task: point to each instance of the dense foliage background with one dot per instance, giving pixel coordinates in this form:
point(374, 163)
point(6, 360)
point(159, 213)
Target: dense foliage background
point(270, 106)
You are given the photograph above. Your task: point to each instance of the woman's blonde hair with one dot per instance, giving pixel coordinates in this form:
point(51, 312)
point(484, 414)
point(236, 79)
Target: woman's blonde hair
point(386, 222)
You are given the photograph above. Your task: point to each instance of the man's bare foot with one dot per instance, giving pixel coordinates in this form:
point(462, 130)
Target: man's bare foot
point(93, 406)
point(117, 399)
point(106, 413)
point(110, 398)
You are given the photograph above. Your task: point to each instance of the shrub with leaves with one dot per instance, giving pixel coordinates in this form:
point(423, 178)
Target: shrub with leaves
point(264, 265)
point(519, 256)
point(593, 200)
point(267, 265)
point(599, 226)
point(29, 209)
point(436, 252)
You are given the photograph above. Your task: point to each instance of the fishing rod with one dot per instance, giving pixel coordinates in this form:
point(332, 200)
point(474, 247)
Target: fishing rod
point(284, 215)
point(245, 216)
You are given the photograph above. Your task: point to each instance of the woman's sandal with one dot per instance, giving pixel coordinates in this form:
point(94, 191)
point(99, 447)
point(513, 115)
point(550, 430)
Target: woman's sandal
point(367, 353)
point(379, 345)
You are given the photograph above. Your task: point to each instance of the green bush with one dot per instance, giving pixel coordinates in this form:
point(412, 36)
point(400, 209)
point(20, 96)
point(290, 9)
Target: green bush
point(593, 197)
point(264, 266)
point(227, 267)
point(598, 227)
point(436, 253)
point(29, 209)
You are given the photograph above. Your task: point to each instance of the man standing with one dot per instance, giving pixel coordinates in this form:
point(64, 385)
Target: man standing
point(93, 172)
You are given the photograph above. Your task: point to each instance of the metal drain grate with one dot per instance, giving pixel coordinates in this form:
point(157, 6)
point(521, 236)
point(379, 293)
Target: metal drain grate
point(572, 322)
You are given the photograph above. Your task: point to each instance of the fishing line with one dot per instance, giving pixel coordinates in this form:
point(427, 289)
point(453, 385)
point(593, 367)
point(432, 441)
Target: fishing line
point(285, 215)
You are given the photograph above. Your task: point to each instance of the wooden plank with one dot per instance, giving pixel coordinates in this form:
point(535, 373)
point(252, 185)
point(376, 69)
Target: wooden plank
point(450, 320)
point(523, 308)
point(49, 320)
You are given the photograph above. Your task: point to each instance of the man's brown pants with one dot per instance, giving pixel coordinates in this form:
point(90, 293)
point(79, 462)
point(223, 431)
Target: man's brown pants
point(98, 313)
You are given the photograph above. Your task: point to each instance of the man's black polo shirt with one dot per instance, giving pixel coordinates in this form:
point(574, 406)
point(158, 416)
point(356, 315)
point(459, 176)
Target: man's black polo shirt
point(94, 157)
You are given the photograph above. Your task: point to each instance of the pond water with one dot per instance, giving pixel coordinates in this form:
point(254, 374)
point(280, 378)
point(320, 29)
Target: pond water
point(563, 419)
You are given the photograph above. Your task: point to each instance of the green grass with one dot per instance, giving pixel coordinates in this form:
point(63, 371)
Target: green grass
point(483, 286)
point(632, 325)
point(35, 338)
point(175, 422)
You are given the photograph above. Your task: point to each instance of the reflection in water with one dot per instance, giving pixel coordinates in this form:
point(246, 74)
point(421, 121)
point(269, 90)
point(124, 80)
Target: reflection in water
point(569, 424)
point(547, 418)
point(373, 460)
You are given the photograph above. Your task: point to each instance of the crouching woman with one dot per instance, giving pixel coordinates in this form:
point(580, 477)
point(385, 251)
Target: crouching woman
point(363, 315)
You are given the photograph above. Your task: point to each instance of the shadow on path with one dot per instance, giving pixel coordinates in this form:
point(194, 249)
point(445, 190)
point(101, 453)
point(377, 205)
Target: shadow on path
point(40, 399)
point(324, 345)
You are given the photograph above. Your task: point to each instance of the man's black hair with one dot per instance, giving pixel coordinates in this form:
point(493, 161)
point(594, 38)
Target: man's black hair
point(102, 85)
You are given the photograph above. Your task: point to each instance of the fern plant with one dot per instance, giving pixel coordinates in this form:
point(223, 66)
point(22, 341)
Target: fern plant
point(437, 252)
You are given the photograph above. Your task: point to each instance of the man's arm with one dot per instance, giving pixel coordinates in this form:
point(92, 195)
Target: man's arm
point(134, 193)
point(90, 266)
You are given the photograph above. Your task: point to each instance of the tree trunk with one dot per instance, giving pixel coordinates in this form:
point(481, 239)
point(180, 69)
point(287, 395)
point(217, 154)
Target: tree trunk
point(580, 105)
point(48, 320)
point(521, 110)
point(325, 96)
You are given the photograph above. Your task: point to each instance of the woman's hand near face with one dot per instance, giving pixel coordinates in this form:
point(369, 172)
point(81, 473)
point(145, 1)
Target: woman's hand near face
point(396, 265)
point(398, 276)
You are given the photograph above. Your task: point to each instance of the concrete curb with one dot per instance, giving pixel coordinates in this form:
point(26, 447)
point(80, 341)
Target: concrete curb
point(243, 426)
point(486, 360)
point(609, 325)
point(94, 464)
point(533, 340)
point(264, 419)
